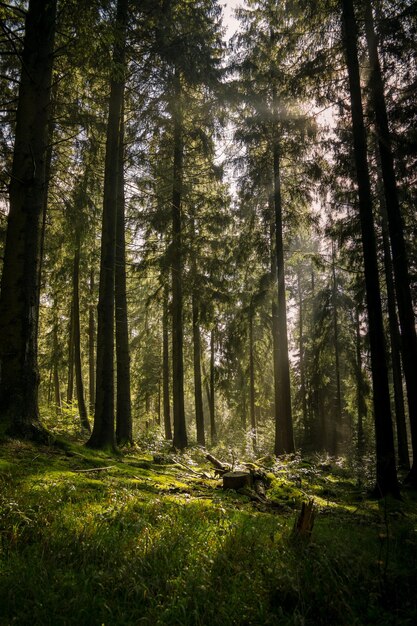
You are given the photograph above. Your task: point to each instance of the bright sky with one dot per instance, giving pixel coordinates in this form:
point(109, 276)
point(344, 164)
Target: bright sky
point(229, 20)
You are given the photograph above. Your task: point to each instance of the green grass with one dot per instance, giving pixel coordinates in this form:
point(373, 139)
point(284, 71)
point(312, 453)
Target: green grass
point(132, 542)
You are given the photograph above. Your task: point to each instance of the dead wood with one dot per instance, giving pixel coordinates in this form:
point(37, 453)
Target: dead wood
point(303, 525)
point(237, 480)
point(222, 467)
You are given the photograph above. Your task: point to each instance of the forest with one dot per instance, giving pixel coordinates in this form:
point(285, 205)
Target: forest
point(208, 347)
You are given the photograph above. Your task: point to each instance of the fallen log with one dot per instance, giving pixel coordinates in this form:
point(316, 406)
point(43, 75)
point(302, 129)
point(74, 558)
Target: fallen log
point(221, 467)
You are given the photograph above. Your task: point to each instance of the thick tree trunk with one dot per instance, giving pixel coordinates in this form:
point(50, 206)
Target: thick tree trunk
point(284, 437)
point(165, 366)
point(396, 230)
point(385, 455)
point(180, 431)
point(19, 300)
point(124, 435)
point(103, 435)
point(77, 338)
point(91, 343)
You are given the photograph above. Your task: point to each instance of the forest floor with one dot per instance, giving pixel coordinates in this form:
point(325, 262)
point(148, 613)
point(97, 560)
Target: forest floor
point(87, 538)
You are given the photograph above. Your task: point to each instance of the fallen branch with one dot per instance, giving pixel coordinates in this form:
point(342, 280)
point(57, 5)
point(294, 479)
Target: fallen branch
point(222, 467)
point(94, 469)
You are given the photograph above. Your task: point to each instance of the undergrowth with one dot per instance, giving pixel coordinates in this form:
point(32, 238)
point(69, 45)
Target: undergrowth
point(90, 539)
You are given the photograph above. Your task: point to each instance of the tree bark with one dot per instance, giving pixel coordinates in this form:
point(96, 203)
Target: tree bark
point(124, 435)
point(360, 396)
point(252, 379)
point(198, 390)
point(385, 456)
point(70, 380)
point(180, 431)
point(338, 412)
point(284, 437)
point(165, 366)
point(395, 343)
point(19, 300)
point(212, 404)
point(103, 435)
point(91, 342)
point(77, 338)
point(396, 231)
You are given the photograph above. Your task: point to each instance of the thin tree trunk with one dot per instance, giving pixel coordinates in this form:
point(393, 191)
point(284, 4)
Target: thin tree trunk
point(19, 300)
point(211, 396)
point(198, 391)
point(180, 431)
point(360, 396)
point(385, 455)
point(338, 413)
point(57, 389)
point(77, 338)
point(91, 340)
point(396, 230)
point(274, 312)
point(395, 342)
point(70, 380)
point(252, 380)
point(165, 366)
point(103, 435)
point(284, 437)
point(124, 435)
point(303, 390)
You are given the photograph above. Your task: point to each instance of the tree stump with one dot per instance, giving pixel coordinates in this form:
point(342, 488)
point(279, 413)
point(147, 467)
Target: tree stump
point(237, 480)
point(303, 526)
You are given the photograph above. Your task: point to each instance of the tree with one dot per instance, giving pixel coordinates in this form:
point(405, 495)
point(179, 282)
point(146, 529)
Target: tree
point(385, 456)
point(396, 231)
point(19, 300)
point(103, 435)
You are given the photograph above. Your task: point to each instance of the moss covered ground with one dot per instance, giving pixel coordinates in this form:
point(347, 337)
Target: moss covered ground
point(88, 538)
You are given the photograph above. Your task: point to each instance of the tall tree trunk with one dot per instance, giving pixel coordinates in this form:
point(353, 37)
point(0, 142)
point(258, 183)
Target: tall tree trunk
point(103, 435)
point(303, 390)
point(198, 390)
point(395, 342)
point(165, 365)
point(19, 300)
point(70, 380)
point(360, 396)
point(274, 311)
point(252, 380)
point(284, 437)
point(124, 435)
point(338, 413)
point(91, 341)
point(57, 388)
point(211, 396)
point(396, 231)
point(77, 338)
point(180, 431)
point(385, 455)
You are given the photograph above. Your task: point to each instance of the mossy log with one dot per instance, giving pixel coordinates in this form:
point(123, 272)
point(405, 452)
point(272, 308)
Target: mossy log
point(237, 480)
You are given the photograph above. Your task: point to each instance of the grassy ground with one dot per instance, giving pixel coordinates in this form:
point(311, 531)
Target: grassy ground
point(92, 539)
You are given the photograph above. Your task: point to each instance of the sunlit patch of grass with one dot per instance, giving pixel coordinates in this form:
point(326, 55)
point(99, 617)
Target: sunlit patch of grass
point(132, 542)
